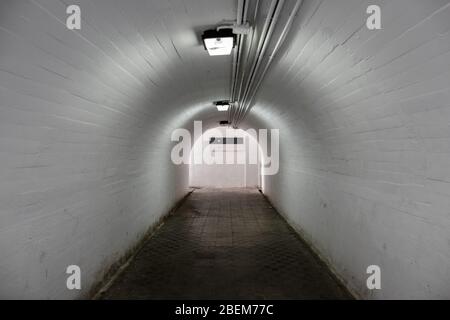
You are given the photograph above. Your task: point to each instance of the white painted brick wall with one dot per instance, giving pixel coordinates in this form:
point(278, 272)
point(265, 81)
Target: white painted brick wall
point(365, 135)
point(86, 117)
point(85, 124)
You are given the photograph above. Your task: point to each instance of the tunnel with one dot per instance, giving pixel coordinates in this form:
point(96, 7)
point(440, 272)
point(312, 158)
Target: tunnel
point(353, 96)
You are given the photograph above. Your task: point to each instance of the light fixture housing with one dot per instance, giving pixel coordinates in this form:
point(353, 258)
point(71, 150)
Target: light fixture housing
point(219, 42)
point(222, 105)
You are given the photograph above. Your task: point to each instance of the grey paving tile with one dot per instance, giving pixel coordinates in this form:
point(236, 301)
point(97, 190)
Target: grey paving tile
point(225, 244)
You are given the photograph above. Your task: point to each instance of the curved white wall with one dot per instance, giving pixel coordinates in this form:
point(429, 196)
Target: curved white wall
point(86, 118)
point(364, 133)
point(85, 124)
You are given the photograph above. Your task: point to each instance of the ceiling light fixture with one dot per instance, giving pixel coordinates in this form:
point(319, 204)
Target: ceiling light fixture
point(219, 42)
point(222, 105)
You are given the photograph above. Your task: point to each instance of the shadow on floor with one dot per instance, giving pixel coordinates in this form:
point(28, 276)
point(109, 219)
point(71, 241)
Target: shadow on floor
point(225, 244)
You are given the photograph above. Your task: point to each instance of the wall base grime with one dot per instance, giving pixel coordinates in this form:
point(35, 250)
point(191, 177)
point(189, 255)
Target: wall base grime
point(119, 266)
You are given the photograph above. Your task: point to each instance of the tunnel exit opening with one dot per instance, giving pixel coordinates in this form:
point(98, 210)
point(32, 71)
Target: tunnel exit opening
point(230, 158)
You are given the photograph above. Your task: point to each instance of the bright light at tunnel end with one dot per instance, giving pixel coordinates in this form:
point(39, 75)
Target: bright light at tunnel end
point(256, 147)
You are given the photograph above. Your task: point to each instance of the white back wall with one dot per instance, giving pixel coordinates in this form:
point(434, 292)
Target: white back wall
point(238, 173)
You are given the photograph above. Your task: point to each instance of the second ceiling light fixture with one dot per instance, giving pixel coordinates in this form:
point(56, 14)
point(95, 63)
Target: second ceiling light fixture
point(251, 59)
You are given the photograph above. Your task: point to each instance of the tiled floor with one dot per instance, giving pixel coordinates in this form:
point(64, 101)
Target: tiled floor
point(225, 244)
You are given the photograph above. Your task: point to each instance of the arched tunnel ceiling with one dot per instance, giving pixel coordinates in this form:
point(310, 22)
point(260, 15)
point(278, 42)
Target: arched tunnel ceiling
point(87, 115)
point(147, 53)
point(86, 119)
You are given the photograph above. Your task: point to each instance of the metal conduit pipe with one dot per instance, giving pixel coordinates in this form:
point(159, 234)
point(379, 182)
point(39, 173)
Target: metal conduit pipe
point(233, 63)
point(233, 73)
point(249, 49)
point(243, 20)
point(265, 28)
point(237, 98)
point(236, 53)
point(280, 41)
point(262, 47)
point(237, 58)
